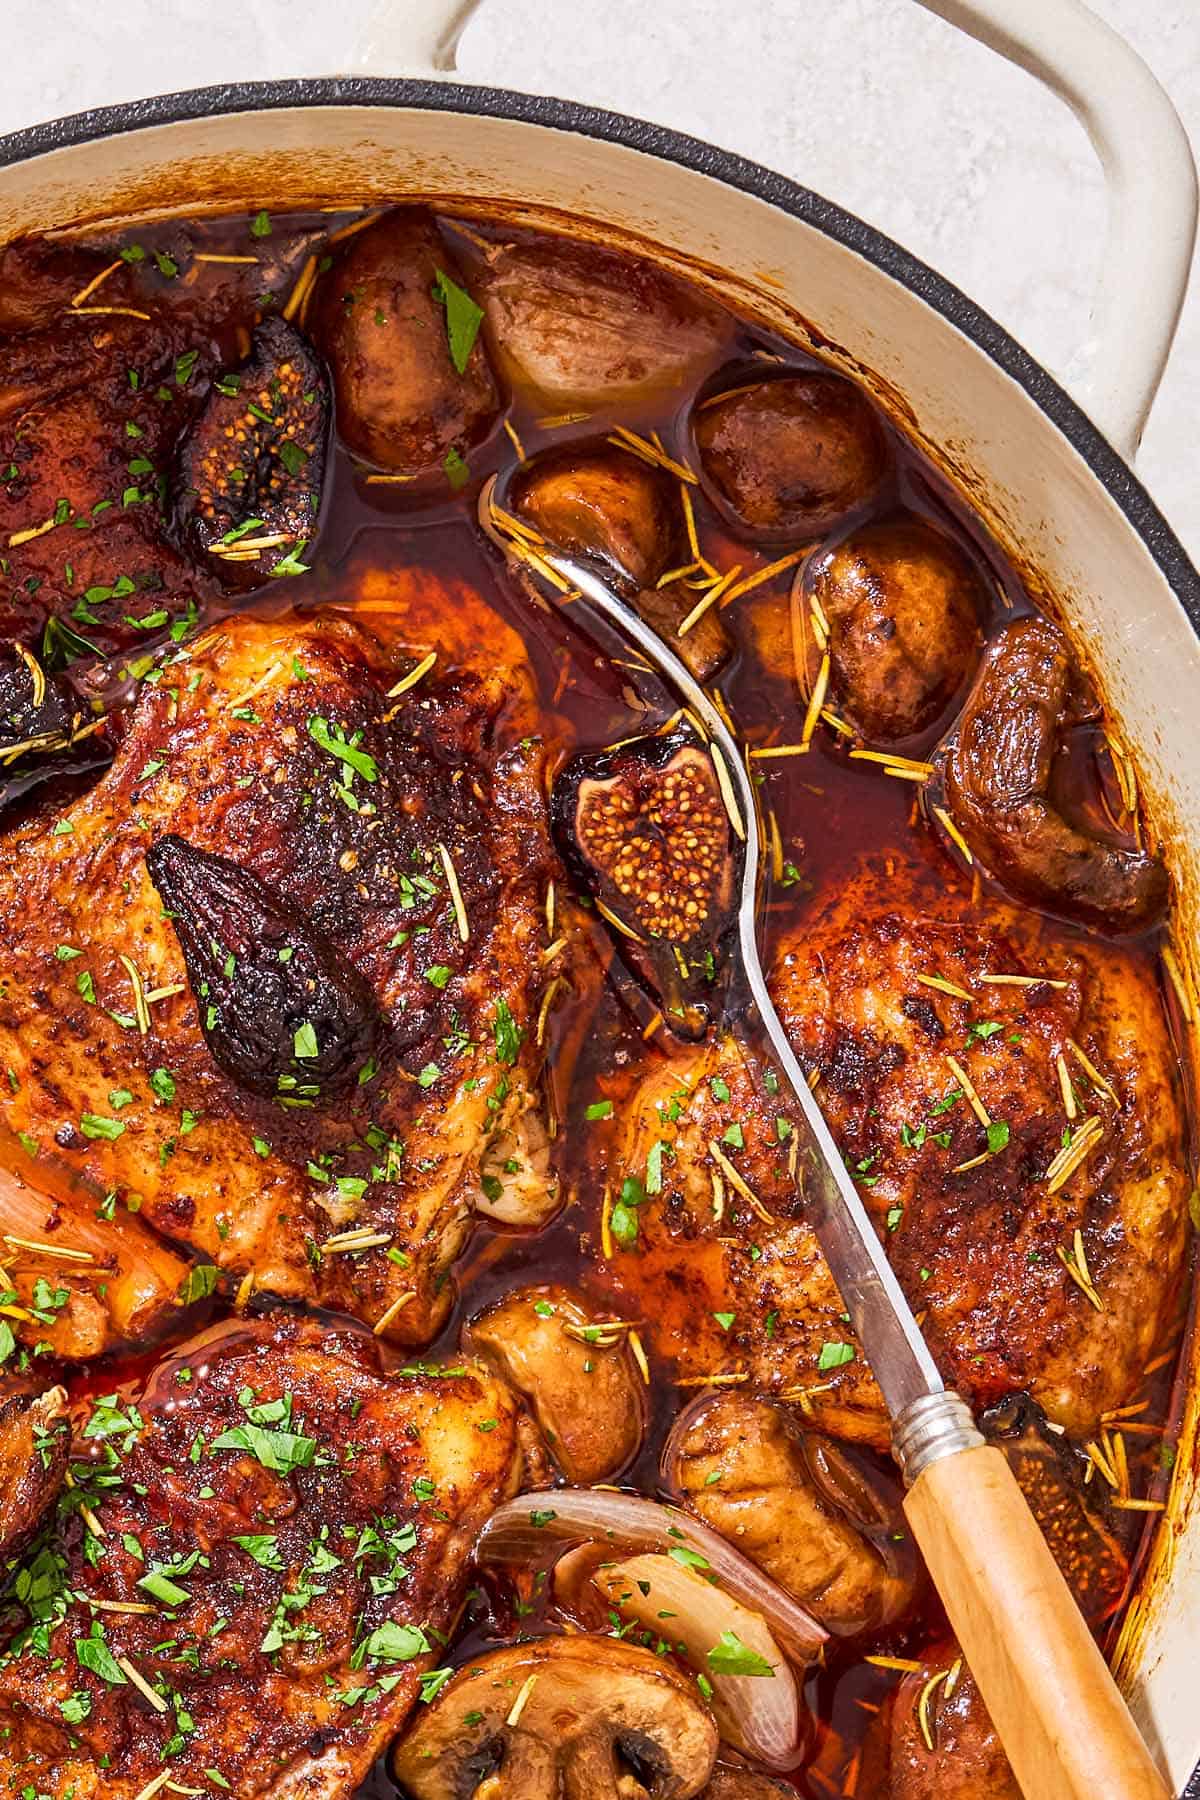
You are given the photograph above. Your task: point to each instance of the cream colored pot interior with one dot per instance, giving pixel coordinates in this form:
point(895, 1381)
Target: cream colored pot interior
point(1047, 507)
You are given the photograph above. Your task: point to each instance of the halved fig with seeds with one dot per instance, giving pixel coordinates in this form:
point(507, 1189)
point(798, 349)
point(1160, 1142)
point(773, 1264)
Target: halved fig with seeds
point(790, 455)
point(998, 786)
point(645, 831)
point(562, 1718)
point(1049, 1472)
point(597, 502)
point(280, 1013)
point(252, 466)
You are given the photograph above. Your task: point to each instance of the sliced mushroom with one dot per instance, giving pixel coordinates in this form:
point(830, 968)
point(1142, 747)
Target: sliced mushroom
point(578, 1377)
point(790, 455)
point(35, 1442)
point(904, 608)
point(822, 1524)
point(567, 1718)
point(395, 322)
point(586, 326)
point(645, 830)
point(279, 1011)
point(252, 465)
point(998, 773)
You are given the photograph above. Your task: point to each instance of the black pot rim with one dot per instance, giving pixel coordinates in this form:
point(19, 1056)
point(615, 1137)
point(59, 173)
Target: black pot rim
point(1110, 469)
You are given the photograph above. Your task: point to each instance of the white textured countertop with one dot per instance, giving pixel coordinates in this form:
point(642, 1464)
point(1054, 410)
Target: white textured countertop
point(873, 103)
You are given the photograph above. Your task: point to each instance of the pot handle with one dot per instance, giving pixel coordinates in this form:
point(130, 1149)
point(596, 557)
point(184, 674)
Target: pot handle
point(1134, 129)
point(1151, 180)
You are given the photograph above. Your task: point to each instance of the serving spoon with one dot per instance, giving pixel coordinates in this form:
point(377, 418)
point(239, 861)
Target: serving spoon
point(1058, 1712)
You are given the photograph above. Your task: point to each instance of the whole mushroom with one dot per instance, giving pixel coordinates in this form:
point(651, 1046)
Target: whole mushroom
point(799, 1506)
point(597, 501)
point(411, 381)
point(577, 1377)
point(962, 1758)
point(593, 500)
point(790, 455)
point(564, 1718)
point(904, 608)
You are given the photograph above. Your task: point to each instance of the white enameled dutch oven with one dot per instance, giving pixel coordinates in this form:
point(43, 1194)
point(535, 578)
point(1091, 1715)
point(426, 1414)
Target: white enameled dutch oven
point(1051, 476)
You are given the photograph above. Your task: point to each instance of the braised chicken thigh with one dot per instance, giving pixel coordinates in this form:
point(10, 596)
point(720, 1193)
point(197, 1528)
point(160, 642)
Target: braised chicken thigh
point(1019, 1144)
point(274, 974)
point(253, 1568)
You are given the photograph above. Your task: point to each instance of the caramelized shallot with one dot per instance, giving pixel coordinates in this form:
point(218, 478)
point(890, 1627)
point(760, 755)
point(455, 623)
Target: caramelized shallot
point(526, 1528)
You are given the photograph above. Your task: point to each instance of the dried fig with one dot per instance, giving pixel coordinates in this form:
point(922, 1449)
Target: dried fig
point(997, 780)
point(252, 466)
point(279, 1013)
point(44, 729)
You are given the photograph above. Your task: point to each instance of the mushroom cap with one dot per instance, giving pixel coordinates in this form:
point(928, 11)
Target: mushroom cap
point(593, 500)
point(583, 1389)
point(585, 1710)
point(792, 454)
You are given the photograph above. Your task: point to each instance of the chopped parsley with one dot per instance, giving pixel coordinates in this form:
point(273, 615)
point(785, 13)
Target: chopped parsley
point(463, 319)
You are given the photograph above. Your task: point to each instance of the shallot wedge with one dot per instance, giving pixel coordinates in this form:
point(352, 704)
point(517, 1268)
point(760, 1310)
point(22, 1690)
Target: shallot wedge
point(523, 1527)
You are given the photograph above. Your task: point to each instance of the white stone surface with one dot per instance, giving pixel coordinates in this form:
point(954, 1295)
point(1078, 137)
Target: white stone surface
point(873, 103)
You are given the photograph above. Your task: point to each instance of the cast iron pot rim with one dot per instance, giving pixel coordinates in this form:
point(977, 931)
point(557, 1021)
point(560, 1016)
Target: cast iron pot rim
point(669, 145)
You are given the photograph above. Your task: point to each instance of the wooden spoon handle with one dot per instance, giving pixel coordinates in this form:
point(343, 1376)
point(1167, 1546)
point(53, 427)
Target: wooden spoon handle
point(1055, 1706)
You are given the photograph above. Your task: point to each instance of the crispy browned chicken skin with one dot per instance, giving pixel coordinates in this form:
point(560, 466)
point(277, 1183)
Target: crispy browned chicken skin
point(274, 1538)
point(273, 817)
point(975, 1222)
